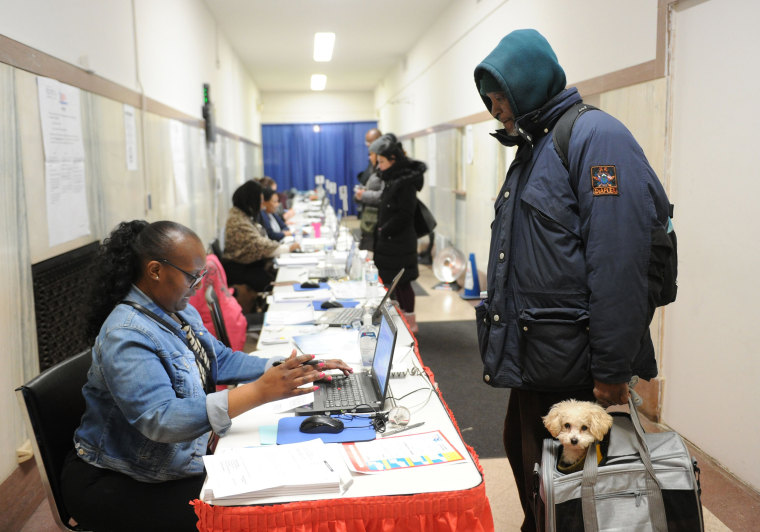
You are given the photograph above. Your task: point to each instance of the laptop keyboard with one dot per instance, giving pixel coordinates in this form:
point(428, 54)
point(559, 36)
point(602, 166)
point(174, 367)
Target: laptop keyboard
point(344, 393)
point(347, 315)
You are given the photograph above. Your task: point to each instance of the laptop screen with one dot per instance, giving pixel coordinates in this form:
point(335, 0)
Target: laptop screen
point(386, 343)
point(350, 257)
point(388, 293)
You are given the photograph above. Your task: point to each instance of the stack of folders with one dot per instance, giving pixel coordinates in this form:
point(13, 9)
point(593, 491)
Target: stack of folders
point(249, 473)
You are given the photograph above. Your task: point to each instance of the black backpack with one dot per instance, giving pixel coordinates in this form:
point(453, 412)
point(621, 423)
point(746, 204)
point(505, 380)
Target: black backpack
point(663, 258)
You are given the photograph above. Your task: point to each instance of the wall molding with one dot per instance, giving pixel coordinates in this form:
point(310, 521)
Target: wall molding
point(23, 57)
point(619, 79)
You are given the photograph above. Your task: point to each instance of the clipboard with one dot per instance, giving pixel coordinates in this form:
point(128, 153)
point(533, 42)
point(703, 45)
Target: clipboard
point(356, 428)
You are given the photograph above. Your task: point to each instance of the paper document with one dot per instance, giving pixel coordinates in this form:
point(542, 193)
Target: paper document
point(306, 467)
point(292, 315)
point(401, 452)
point(334, 342)
point(62, 140)
point(287, 293)
point(299, 259)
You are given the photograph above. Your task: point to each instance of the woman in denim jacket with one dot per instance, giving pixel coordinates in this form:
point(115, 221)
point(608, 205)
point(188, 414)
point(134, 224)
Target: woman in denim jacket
point(151, 402)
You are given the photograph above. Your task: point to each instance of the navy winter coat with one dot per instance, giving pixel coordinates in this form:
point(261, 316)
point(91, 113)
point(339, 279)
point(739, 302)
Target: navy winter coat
point(567, 270)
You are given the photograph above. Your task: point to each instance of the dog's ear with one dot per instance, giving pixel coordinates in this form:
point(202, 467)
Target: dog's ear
point(552, 421)
point(600, 422)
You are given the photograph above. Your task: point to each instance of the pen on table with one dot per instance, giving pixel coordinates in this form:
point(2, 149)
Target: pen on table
point(328, 465)
point(402, 429)
point(312, 362)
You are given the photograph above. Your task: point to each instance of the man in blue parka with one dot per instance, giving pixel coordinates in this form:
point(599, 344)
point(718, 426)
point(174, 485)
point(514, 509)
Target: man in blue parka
point(567, 313)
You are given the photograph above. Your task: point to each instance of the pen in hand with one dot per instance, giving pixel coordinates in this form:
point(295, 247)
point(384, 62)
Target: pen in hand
point(312, 362)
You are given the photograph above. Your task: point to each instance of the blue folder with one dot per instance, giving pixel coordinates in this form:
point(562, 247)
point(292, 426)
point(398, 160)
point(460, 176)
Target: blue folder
point(356, 428)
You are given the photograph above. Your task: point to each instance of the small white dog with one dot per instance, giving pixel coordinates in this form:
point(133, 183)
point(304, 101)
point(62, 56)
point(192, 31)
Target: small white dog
point(576, 424)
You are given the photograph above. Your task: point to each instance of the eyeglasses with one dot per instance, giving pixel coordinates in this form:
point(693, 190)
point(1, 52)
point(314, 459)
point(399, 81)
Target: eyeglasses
point(196, 278)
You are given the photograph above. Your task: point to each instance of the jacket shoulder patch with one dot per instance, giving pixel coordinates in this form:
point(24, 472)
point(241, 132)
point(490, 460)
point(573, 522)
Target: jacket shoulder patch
point(604, 180)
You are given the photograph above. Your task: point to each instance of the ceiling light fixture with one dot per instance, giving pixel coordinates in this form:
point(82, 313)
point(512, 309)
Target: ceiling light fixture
point(323, 46)
point(318, 82)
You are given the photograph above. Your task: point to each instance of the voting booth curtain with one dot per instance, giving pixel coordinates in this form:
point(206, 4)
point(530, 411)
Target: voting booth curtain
point(440, 511)
point(295, 153)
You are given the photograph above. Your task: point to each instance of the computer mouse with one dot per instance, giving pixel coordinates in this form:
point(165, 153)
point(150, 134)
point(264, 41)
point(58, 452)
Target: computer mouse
point(320, 424)
point(310, 284)
point(331, 304)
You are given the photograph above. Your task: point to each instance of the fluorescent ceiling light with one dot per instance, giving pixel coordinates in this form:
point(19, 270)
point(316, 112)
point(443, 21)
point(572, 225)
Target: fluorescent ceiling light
point(323, 46)
point(318, 82)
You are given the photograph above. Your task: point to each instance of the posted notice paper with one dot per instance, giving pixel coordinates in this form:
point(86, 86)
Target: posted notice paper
point(65, 185)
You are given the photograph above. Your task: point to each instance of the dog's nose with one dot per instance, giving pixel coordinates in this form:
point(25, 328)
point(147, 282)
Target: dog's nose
point(574, 441)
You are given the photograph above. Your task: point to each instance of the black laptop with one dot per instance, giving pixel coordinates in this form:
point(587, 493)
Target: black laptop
point(340, 317)
point(363, 391)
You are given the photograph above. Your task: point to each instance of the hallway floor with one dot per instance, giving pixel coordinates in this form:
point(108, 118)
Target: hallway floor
point(728, 504)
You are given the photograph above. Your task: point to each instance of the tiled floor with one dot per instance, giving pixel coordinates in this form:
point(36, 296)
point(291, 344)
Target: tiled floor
point(728, 504)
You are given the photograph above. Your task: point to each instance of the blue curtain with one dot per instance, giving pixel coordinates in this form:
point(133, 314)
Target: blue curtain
point(294, 154)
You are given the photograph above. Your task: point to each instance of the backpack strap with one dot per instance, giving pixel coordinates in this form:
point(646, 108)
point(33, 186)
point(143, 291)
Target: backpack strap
point(564, 127)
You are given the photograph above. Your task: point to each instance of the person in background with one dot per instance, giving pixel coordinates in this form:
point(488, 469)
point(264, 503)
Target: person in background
point(152, 408)
point(368, 196)
point(248, 251)
point(567, 312)
point(395, 237)
point(267, 182)
point(371, 136)
point(269, 218)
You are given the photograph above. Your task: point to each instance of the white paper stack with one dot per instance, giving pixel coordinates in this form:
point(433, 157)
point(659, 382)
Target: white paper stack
point(271, 471)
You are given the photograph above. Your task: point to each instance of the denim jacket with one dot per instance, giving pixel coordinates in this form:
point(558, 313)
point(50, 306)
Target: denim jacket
point(147, 415)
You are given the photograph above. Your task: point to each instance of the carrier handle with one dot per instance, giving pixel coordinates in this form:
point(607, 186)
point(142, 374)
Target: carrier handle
point(654, 491)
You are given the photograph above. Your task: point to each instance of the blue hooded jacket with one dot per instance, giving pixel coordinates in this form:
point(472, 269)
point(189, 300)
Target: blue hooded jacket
point(570, 248)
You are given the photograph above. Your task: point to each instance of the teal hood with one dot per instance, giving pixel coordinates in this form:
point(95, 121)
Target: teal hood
point(525, 67)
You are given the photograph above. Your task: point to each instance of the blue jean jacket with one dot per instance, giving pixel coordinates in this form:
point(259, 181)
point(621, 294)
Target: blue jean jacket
point(146, 414)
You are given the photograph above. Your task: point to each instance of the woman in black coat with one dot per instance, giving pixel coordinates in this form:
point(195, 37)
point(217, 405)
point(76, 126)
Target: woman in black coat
point(395, 238)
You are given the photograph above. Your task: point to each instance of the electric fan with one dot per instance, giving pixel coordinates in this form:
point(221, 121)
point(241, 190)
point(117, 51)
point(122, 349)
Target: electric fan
point(448, 265)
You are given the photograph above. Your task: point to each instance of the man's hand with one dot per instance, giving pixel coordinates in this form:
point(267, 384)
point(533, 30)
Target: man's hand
point(611, 394)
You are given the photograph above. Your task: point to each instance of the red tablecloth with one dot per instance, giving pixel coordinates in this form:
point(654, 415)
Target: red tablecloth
point(465, 510)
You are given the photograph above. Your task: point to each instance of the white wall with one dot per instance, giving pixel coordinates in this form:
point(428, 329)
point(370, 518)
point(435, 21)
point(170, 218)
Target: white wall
point(316, 107)
point(94, 35)
point(434, 83)
point(712, 334)
point(178, 50)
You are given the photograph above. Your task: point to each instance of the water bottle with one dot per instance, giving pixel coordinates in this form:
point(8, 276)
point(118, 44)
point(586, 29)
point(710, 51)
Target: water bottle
point(370, 274)
point(329, 247)
point(367, 340)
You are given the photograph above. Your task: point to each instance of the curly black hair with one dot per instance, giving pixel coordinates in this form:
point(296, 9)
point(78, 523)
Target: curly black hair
point(119, 260)
point(247, 198)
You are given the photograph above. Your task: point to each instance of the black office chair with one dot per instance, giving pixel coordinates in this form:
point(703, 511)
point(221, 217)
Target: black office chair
point(216, 316)
point(54, 405)
point(215, 249)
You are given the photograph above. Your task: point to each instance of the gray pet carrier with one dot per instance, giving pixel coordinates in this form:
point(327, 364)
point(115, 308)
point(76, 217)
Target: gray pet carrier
point(646, 482)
